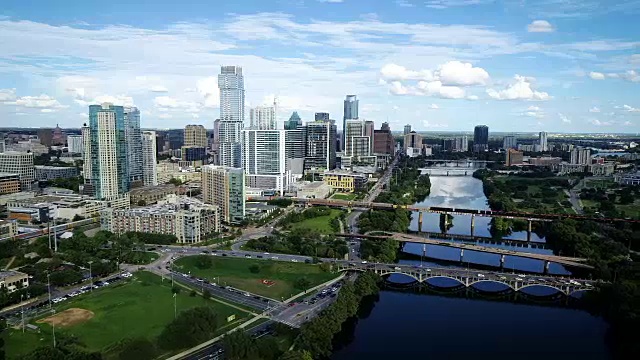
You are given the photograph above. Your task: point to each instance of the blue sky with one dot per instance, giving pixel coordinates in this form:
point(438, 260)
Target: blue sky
point(515, 65)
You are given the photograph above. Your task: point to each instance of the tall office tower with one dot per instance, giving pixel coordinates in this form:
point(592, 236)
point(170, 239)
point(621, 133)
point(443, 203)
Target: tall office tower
point(481, 138)
point(320, 137)
point(195, 135)
point(134, 145)
point(369, 129)
point(264, 159)
point(509, 142)
point(321, 116)
point(75, 145)
point(407, 129)
point(231, 85)
point(263, 118)
point(294, 122)
point(86, 153)
point(294, 149)
point(224, 186)
point(461, 144)
point(109, 165)
point(383, 142)
point(149, 159)
point(357, 143)
point(543, 141)
point(350, 113)
point(412, 143)
point(45, 136)
point(580, 155)
point(21, 163)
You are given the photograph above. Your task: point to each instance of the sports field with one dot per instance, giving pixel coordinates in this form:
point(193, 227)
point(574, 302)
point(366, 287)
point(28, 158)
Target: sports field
point(320, 224)
point(236, 272)
point(137, 307)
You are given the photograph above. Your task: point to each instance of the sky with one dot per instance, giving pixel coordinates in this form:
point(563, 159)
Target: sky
point(439, 65)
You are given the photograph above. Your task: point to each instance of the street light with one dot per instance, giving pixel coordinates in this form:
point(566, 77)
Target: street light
point(49, 288)
point(22, 311)
point(53, 325)
point(90, 276)
point(175, 306)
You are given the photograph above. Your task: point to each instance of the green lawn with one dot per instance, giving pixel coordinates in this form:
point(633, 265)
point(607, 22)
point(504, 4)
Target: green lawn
point(630, 210)
point(140, 306)
point(149, 257)
point(321, 224)
point(235, 272)
point(343, 196)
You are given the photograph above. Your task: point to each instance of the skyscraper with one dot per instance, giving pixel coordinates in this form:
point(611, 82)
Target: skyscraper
point(75, 145)
point(580, 155)
point(320, 145)
point(383, 142)
point(350, 113)
point(264, 159)
point(231, 85)
point(149, 160)
point(20, 163)
point(263, 118)
point(407, 129)
point(294, 122)
point(509, 142)
point(224, 186)
point(543, 141)
point(86, 154)
point(357, 142)
point(321, 116)
point(109, 165)
point(481, 138)
point(461, 144)
point(195, 135)
point(134, 145)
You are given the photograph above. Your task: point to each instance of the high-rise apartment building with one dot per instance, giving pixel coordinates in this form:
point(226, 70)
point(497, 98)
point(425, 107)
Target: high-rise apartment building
point(231, 86)
point(481, 138)
point(357, 141)
point(109, 160)
point(580, 155)
point(75, 144)
point(294, 151)
point(294, 122)
point(263, 118)
point(149, 159)
point(461, 144)
point(195, 135)
point(224, 186)
point(264, 159)
point(542, 137)
point(509, 142)
point(407, 129)
point(383, 142)
point(412, 143)
point(86, 153)
point(321, 116)
point(20, 163)
point(350, 113)
point(134, 145)
point(320, 137)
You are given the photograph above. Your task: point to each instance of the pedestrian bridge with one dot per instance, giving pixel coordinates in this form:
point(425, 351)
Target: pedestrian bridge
point(470, 277)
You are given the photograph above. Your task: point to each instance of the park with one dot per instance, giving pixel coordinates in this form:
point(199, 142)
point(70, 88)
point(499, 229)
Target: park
point(101, 320)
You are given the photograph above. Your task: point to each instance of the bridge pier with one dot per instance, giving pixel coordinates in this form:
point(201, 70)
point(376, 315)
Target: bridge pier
point(546, 266)
point(473, 223)
point(529, 230)
point(502, 261)
point(461, 255)
point(420, 215)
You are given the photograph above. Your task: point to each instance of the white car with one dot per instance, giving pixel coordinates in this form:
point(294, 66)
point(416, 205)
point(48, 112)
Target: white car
point(480, 275)
point(294, 260)
point(364, 261)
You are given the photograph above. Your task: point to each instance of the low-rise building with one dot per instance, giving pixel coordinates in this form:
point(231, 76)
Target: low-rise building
point(8, 228)
point(151, 194)
point(602, 169)
point(628, 178)
point(545, 161)
point(188, 219)
point(567, 168)
point(13, 280)
point(9, 183)
point(44, 173)
point(258, 210)
point(345, 181)
point(513, 157)
point(312, 190)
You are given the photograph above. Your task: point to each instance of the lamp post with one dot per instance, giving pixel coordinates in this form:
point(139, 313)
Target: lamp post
point(53, 325)
point(175, 306)
point(49, 288)
point(90, 275)
point(22, 311)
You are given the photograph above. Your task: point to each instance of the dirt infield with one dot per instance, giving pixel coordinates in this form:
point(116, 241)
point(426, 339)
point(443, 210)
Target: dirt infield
point(69, 317)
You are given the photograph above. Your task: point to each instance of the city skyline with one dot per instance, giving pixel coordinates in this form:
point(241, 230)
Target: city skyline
point(545, 66)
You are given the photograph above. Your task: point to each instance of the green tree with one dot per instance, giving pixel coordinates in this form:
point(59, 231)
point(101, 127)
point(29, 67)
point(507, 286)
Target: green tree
point(296, 355)
point(206, 294)
point(203, 262)
point(302, 283)
point(138, 349)
point(255, 268)
point(191, 327)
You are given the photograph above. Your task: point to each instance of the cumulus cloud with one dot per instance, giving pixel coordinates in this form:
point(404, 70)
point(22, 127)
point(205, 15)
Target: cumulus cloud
point(7, 95)
point(391, 72)
point(631, 75)
point(534, 112)
point(540, 26)
point(434, 106)
point(472, 97)
point(404, 3)
point(122, 100)
point(461, 74)
point(594, 109)
point(596, 75)
point(43, 102)
point(520, 89)
point(166, 103)
point(597, 122)
point(159, 89)
point(630, 109)
point(564, 118)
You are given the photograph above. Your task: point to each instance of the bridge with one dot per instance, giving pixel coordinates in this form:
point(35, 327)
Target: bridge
point(563, 260)
point(467, 278)
point(459, 161)
point(483, 239)
point(446, 171)
point(455, 211)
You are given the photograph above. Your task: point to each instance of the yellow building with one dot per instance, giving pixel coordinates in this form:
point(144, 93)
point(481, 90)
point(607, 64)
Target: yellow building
point(345, 181)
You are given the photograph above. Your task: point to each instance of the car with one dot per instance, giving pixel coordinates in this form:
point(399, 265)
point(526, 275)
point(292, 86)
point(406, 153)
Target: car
point(225, 255)
point(364, 261)
point(274, 257)
point(248, 256)
point(247, 294)
point(259, 256)
point(480, 275)
point(294, 260)
point(266, 253)
point(397, 268)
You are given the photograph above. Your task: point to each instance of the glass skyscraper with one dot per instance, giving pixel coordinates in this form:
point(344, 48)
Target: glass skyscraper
point(134, 145)
point(231, 86)
point(350, 113)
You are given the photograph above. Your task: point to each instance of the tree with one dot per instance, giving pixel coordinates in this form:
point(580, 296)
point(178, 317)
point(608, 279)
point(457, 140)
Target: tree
point(296, 355)
point(175, 290)
point(203, 262)
point(191, 327)
point(238, 345)
point(138, 349)
point(206, 294)
point(193, 293)
point(255, 268)
point(302, 283)
point(77, 217)
point(175, 181)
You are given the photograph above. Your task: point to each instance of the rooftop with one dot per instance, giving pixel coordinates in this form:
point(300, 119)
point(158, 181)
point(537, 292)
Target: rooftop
point(8, 273)
point(180, 203)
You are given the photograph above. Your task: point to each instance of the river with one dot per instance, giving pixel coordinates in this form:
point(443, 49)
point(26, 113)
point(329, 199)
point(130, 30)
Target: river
point(405, 324)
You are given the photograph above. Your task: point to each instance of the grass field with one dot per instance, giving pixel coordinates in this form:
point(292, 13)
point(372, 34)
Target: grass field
point(235, 272)
point(321, 224)
point(343, 196)
point(139, 307)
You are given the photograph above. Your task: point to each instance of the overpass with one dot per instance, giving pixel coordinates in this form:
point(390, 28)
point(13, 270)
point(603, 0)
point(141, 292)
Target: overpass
point(563, 260)
point(447, 171)
point(482, 239)
point(467, 278)
point(454, 211)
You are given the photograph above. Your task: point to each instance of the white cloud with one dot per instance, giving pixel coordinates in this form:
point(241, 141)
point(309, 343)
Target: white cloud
point(159, 88)
point(627, 123)
point(521, 89)
point(634, 59)
point(7, 95)
point(434, 106)
point(38, 102)
point(392, 72)
point(564, 118)
point(461, 74)
point(472, 97)
point(630, 109)
point(331, 1)
point(167, 103)
point(404, 3)
point(631, 75)
point(596, 75)
point(208, 88)
point(540, 26)
point(597, 122)
point(443, 4)
point(122, 100)
point(594, 109)
point(534, 112)
point(533, 108)
point(428, 125)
